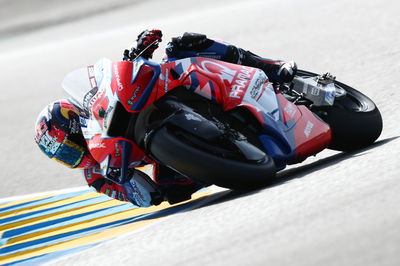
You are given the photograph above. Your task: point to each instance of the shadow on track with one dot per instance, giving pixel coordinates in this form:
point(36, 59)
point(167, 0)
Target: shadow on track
point(298, 172)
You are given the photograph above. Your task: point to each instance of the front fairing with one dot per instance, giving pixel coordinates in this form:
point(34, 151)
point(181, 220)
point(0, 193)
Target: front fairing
point(97, 91)
point(136, 83)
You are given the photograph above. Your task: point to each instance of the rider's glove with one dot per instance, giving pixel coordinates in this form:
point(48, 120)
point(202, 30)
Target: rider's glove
point(109, 188)
point(141, 190)
point(150, 39)
point(287, 71)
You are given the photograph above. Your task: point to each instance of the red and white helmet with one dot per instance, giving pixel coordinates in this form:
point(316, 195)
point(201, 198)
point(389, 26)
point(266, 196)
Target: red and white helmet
point(59, 135)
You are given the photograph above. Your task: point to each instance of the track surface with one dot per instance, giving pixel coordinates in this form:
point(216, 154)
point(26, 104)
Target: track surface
point(335, 209)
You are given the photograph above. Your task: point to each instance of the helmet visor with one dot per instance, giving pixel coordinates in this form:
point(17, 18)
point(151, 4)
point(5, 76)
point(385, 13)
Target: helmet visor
point(69, 154)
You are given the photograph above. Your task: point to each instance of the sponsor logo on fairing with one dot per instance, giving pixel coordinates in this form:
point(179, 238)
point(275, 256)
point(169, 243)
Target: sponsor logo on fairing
point(94, 99)
point(192, 117)
point(107, 116)
point(257, 88)
point(290, 110)
point(315, 91)
point(308, 129)
point(132, 99)
point(91, 71)
point(92, 79)
point(88, 97)
point(117, 150)
point(240, 82)
point(224, 71)
point(118, 78)
point(96, 145)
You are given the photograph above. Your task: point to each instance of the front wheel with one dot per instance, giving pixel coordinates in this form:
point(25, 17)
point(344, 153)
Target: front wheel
point(354, 119)
point(182, 152)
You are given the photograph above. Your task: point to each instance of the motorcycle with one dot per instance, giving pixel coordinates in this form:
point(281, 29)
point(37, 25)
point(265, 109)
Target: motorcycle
point(212, 121)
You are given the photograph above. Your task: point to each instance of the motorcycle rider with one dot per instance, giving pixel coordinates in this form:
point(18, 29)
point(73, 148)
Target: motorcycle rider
point(59, 135)
point(194, 44)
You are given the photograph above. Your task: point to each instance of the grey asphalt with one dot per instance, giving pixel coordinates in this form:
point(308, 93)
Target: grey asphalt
point(333, 209)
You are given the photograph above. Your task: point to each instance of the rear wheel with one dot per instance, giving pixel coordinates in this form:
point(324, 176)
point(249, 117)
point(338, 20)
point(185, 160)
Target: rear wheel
point(354, 119)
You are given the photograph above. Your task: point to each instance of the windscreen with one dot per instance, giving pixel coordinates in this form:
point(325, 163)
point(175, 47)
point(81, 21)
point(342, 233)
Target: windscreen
point(82, 84)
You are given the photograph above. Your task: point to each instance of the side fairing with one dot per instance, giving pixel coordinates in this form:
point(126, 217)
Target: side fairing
point(291, 132)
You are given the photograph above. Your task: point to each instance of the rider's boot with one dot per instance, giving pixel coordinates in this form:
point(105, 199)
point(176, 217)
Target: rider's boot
point(193, 44)
point(174, 186)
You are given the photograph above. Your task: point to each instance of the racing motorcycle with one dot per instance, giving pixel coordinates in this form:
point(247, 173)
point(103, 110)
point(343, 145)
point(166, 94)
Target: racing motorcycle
point(212, 121)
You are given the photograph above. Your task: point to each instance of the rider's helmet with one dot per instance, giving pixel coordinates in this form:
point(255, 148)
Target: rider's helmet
point(59, 135)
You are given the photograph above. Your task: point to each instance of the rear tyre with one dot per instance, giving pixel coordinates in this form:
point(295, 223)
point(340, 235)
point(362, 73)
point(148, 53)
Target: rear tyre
point(354, 119)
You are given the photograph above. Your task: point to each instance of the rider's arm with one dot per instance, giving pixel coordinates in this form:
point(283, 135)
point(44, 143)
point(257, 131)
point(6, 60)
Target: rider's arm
point(194, 44)
point(143, 192)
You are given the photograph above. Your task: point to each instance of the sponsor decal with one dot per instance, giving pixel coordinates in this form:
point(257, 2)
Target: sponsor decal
point(118, 78)
point(132, 99)
point(42, 128)
point(49, 143)
point(192, 117)
point(209, 55)
point(117, 150)
point(92, 79)
point(137, 193)
point(88, 97)
point(290, 110)
point(90, 71)
point(256, 90)
point(74, 126)
point(96, 145)
point(82, 121)
point(95, 98)
point(88, 174)
point(223, 70)
point(315, 91)
point(240, 82)
point(107, 116)
point(308, 129)
point(86, 162)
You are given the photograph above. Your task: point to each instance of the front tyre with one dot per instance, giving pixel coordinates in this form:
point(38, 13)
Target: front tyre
point(174, 149)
